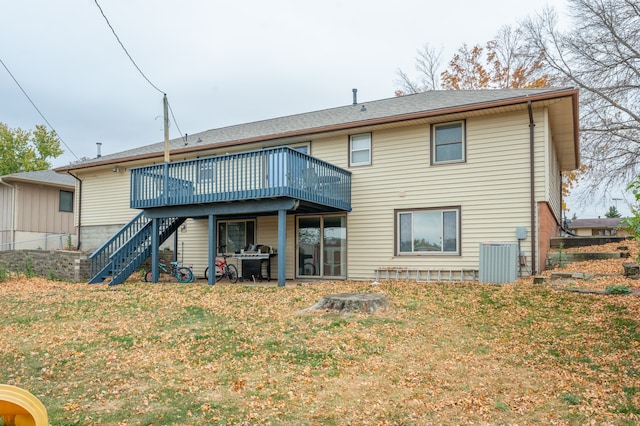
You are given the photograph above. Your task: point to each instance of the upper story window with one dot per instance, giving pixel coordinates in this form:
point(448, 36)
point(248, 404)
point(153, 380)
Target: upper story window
point(360, 149)
point(448, 142)
point(428, 231)
point(303, 148)
point(206, 170)
point(66, 201)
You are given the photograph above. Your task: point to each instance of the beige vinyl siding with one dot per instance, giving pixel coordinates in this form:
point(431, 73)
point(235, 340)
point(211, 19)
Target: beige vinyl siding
point(491, 189)
point(583, 232)
point(192, 245)
point(6, 208)
point(6, 217)
point(38, 210)
point(105, 198)
point(552, 174)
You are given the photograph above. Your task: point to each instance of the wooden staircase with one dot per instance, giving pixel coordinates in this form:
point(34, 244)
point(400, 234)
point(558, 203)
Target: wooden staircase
point(128, 249)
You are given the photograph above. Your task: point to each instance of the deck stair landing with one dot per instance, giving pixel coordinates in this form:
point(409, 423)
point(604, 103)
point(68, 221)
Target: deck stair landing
point(128, 249)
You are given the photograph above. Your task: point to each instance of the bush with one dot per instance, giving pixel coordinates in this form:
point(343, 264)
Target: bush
point(618, 289)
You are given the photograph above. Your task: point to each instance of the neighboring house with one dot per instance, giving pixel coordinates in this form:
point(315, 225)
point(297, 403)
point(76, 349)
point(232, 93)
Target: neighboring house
point(598, 227)
point(36, 211)
point(418, 181)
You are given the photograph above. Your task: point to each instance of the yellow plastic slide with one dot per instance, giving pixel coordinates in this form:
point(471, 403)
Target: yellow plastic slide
point(20, 408)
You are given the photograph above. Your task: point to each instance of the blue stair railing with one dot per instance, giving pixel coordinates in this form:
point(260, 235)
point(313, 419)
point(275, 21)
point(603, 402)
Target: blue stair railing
point(128, 249)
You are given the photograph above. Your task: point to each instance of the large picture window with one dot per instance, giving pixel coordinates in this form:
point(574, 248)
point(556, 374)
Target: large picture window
point(428, 231)
point(66, 201)
point(448, 142)
point(234, 236)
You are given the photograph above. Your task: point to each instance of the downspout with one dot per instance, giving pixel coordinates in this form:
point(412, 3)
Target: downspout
point(13, 214)
point(532, 189)
point(79, 206)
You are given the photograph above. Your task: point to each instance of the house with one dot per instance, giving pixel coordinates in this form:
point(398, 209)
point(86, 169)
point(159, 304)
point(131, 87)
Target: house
point(600, 227)
point(36, 211)
point(417, 182)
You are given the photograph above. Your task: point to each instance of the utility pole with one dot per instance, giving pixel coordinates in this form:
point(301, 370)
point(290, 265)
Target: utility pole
point(165, 104)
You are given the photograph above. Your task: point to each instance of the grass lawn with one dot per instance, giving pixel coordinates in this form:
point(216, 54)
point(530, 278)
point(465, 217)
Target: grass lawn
point(444, 354)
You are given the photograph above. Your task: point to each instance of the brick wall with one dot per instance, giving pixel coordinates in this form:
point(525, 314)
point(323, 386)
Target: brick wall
point(60, 264)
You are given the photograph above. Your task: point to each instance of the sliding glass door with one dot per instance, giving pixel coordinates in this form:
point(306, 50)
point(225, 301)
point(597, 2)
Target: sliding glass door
point(322, 246)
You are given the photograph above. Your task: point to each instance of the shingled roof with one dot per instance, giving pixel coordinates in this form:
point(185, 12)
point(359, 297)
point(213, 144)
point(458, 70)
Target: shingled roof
point(599, 223)
point(41, 177)
point(431, 103)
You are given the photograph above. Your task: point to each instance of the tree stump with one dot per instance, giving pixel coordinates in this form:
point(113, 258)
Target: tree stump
point(351, 302)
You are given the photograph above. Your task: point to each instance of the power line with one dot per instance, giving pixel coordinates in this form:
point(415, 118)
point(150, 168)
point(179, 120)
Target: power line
point(134, 62)
point(174, 118)
point(39, 112)
point(125, 49)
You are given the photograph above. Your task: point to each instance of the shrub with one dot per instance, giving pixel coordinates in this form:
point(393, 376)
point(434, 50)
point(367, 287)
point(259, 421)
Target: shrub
point(618, 289)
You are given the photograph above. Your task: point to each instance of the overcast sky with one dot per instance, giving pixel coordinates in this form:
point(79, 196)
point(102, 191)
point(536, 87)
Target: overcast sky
point(220, 63)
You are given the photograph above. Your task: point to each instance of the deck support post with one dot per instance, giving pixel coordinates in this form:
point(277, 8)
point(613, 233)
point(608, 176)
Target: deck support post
point(155, 250)
point(282, 247)
point(213, 250)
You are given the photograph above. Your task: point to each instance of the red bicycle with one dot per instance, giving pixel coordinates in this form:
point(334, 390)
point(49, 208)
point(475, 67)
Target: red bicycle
point(224, 270)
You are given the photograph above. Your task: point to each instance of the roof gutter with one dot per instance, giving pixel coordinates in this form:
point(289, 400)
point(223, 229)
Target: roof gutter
point(79, 207)
point(532, 189)
point(563, 93)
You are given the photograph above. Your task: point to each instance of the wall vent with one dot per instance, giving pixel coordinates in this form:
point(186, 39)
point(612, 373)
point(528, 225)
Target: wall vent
point(498, 263)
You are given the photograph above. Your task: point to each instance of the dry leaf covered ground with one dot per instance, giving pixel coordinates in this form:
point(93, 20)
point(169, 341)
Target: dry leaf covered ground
point(444, 354)
point(606, 272)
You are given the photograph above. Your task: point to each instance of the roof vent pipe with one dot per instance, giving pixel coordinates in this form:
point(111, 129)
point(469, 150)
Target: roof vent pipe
point(98, 146)
point(355, 96)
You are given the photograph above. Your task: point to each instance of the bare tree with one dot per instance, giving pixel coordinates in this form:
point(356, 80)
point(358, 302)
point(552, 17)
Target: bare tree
point(514, 65)
point(504, 62)
point(428, 64)
point(600, 54)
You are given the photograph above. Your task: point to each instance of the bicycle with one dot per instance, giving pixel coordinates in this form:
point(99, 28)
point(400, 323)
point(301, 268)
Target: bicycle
point(224, 270)
point(308, 268)
point(180, 273)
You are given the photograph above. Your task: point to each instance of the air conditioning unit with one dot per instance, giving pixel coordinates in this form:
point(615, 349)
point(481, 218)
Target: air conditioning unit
point(498, 263)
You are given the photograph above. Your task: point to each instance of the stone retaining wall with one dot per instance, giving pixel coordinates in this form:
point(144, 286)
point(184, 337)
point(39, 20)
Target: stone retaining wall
point(58, 265)
point(61, 265)
point(569, 242)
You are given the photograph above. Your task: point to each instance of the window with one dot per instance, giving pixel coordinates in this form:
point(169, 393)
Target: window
point(322, 246)
point(304, 148)
point(428, 231)
point(448, 142)
point(360, 149)
point(206, 170)
point(66, 201)
point(234, 236)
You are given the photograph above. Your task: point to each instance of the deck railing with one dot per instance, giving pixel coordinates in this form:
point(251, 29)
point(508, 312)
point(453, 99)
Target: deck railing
point(268, 173)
